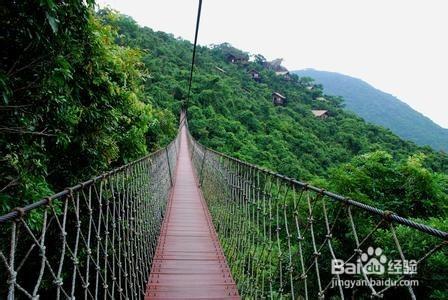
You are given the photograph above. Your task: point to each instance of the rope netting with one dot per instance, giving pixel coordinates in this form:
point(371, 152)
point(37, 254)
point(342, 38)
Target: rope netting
point(284, 239)
point(94, 240)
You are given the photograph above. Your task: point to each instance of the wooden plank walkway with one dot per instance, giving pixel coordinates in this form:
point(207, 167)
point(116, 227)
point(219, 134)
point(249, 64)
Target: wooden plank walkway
point(189, 262)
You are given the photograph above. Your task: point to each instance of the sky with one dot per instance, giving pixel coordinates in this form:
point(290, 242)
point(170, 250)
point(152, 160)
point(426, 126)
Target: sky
point(398, 46)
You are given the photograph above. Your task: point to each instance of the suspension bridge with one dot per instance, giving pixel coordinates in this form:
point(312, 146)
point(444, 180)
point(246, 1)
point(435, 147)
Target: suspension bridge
point(187, 222)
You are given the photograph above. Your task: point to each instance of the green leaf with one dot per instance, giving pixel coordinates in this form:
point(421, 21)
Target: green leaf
point(53, 22)
point(4, 87)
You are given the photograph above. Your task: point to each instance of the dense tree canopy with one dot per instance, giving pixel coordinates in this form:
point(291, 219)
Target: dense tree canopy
point(84, 91)
point(381, 108)
point(73, 102)
point(234, 114)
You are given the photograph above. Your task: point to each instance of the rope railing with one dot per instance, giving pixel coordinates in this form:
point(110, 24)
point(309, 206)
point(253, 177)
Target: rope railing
point(285, 239)
point(93, 240)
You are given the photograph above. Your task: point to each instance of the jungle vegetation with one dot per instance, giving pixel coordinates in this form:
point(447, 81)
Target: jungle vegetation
point(84, 90)
point(381, 108)
point(234, 114)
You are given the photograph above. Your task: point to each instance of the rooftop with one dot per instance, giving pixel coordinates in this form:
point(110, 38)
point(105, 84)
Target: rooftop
point(278, 94)
point(282, 73)
point(319, 113)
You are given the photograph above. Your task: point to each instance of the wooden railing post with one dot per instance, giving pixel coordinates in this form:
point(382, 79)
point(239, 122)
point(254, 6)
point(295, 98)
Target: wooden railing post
point(201, 177)
point(169, 165)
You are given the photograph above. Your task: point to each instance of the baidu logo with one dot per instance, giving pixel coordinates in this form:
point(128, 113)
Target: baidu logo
point(373, 262)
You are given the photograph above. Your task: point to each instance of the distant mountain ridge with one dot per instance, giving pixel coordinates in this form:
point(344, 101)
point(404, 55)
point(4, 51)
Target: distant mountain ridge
point(381, 108)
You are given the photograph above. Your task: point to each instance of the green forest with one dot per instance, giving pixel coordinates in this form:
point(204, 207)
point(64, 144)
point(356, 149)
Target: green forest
point(234, 114)
point(381, 108)
point(86, 90)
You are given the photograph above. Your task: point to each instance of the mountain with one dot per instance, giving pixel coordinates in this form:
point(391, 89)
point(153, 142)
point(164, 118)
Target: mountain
point(232, 112)
point(381, 108)
point(99, 91)
point(232, 109)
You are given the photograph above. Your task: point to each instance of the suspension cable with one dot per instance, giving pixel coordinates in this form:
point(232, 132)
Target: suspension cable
point(185, 108)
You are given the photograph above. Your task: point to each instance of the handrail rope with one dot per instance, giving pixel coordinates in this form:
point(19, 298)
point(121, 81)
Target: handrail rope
point(18, 211)
point(384, 213)
point(280, 235)
point(103, 234)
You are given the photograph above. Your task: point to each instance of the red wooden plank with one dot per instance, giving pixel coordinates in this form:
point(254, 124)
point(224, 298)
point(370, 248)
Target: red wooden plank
point(189, 262)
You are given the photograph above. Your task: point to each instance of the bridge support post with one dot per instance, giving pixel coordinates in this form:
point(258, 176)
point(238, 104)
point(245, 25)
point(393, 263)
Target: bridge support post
point(169, 165)
point(201, 177)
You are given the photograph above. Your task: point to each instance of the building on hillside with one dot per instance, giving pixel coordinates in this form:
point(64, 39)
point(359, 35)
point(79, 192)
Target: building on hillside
point(321, 114)
point(255, 75)
point(284, 74)
point(236, 59)
point(275, 65)
point(278, 99)
point(279, 70)
point(321, 99)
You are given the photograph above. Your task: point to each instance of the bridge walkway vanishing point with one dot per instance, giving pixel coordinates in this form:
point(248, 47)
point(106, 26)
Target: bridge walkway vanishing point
point(189, 262)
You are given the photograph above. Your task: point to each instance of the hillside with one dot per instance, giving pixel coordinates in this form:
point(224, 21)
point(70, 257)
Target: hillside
point(100, 91)
point(117, 94)
point(381, 108)
point(233, 113)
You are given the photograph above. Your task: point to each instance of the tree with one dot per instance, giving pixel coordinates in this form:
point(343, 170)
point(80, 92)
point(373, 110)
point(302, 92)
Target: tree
point(73, 100)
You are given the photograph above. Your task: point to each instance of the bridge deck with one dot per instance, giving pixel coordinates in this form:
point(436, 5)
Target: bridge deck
point(189, 262)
